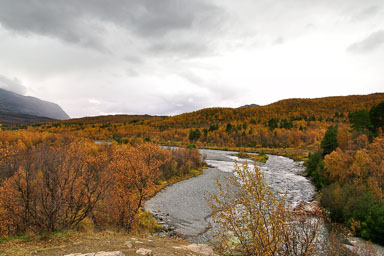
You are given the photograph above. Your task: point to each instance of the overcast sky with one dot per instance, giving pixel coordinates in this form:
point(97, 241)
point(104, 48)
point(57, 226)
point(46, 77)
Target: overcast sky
point(166, 57)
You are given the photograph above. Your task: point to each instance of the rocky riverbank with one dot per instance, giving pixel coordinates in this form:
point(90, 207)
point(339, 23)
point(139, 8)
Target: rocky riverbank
point(181, 208)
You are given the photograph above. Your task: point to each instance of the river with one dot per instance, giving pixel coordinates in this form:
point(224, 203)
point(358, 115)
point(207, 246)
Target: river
point(183, 207)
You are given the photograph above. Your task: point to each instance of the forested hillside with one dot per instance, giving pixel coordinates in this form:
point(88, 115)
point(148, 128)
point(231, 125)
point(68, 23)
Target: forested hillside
point(330, 108)
point(293, 123)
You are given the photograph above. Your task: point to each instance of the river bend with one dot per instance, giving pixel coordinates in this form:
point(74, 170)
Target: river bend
point(182, 205)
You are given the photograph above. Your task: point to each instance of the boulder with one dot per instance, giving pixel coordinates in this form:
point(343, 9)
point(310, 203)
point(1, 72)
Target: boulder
point(116, 253)
point(143, 251)
point(203, 249)
point(128, 244)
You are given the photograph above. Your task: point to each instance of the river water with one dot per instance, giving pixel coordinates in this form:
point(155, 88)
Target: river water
point(183, 207)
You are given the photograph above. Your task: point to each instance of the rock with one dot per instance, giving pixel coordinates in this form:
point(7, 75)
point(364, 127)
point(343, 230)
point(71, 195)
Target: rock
point(138, 242)
point(308, 208)
point(143, 251)
point(203, 249)
point(128, 244)
point(116, 253)
point(80, 254)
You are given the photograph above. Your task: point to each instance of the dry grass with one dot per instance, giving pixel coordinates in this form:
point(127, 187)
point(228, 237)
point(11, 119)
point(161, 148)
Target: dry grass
point(63, 243)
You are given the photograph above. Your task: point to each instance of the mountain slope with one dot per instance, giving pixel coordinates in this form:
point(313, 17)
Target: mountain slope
point(7, 118)
point(13, 103)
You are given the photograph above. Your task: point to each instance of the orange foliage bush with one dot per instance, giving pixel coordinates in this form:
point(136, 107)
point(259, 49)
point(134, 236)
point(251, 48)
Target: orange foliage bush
point(361, 162)
point(51, 182)
point(52, 187)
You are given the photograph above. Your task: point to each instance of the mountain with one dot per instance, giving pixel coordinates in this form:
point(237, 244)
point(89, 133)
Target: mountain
point(29, 108)
point(249, 105)
point(7, 118)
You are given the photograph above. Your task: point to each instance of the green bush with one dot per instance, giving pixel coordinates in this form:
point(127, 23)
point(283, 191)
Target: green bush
point(315, 169)
point(355, 204)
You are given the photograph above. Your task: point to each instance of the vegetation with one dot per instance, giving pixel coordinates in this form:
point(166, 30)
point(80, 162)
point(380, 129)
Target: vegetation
point(54, 177)
point(348, 170)
point(294, 123)
point(52, 183)
point(251, 219)
point(261, 157)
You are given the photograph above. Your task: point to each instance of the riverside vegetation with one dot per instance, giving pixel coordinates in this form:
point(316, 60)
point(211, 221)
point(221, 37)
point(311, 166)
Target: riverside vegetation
point(54, 177)
point(348, 169)
point(52, 183)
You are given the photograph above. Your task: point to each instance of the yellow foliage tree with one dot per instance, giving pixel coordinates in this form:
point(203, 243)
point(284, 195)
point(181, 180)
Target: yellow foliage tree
point(250, 219)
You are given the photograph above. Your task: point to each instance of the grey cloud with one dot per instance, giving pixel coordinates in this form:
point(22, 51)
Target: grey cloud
point(279, 40)
point(182, 103)
point(86, 22)
point(367, 13)
point(373, 42)
point(219, 89)
point(59, 19)
point(12, 85)
point(160, 105)
point(181, 48)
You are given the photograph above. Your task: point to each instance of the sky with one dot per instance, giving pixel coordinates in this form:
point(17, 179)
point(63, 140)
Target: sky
point(165, 57)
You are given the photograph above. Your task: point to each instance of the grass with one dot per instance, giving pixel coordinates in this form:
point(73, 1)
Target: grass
point(261, 157)
point(297, 154)
point(66, 242)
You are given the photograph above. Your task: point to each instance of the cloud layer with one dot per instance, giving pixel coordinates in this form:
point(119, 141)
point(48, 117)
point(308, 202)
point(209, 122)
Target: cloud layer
point(173, 56)
point(373, 42)
point(13, 85)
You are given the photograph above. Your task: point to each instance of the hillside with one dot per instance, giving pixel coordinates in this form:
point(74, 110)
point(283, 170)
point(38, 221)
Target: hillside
point(323, 108)
point(15, 104)
point(291, 123)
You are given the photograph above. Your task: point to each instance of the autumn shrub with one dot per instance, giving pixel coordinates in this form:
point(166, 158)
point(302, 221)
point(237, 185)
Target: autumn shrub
point(54, 182)
point(251, 219)
point(135, 171)
point(186, 159)
point(52, 187)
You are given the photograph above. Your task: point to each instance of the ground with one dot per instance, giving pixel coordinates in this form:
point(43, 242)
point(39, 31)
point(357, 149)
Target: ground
point(79, 242)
